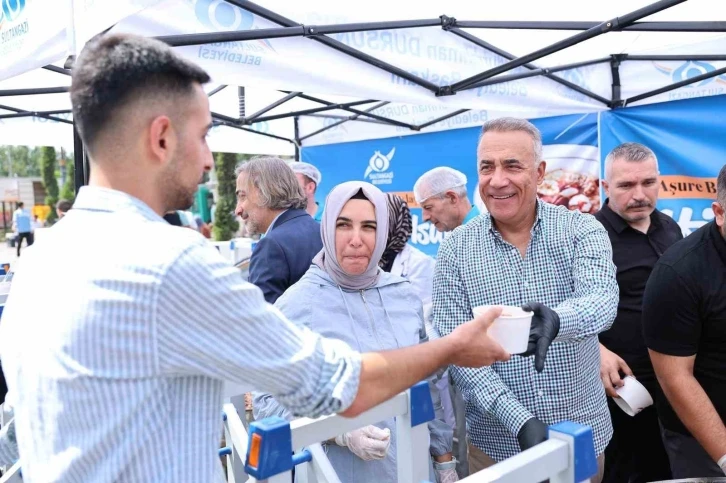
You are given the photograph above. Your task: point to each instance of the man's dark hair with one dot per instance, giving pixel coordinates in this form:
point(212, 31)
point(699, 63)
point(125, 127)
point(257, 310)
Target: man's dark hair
point(113, 70)
point(63, 206)
point(20, 204)
point(721, 187)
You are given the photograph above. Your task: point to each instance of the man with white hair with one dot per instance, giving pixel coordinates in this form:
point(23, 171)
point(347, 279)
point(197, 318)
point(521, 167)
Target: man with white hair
point(309, 178)
point(441, 193)
point(548, 260)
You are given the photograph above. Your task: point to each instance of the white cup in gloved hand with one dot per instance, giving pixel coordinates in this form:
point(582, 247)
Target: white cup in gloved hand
point(368, 443)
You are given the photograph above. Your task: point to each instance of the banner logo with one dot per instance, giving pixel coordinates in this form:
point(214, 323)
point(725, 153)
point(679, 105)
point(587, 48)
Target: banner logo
point(219, 15)
point(10, 10)
point(689, 70)
point(378, 167)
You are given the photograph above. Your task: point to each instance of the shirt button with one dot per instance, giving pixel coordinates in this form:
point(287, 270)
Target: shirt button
point(525, 285)
point(540, 393)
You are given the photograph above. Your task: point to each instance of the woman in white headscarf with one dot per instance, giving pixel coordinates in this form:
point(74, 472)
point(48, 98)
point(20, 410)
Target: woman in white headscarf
point(345, 295)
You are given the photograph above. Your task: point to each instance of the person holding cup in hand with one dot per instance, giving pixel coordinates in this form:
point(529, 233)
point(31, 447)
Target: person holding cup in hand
point(640, 234)
point(551, 262)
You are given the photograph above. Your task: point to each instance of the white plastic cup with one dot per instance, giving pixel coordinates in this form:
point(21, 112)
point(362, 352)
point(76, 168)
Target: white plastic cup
point(634, 397)
point(511, 329)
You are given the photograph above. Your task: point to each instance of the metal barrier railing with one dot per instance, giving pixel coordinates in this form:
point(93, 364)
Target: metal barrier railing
point(567, 457)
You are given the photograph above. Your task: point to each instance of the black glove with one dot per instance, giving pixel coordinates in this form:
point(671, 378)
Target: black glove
point(545, 327)
point(533, 432)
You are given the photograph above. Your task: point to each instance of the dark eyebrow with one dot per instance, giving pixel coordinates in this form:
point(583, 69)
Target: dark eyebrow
point(342, 218)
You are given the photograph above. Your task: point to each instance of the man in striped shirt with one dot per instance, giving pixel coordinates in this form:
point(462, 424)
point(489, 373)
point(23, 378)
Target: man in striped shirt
point(121, 329)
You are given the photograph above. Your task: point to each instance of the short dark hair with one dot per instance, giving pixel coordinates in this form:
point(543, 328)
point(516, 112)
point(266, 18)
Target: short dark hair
point(115, 69)
point(63, 205)
point(721, 187)
point(20, 204)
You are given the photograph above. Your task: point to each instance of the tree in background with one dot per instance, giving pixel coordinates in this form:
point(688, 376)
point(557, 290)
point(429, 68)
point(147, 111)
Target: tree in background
point(50, 182)
point(19, 161)
point(225, 222)
point(68, 191)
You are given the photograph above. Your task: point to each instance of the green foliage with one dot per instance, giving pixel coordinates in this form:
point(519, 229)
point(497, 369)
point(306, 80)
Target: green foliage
point(19, 161)
point(225, 223)
point(50, 182)
point(68, 191)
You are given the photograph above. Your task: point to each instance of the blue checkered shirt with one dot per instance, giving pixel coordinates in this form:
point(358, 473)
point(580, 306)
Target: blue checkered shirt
point(568, 267)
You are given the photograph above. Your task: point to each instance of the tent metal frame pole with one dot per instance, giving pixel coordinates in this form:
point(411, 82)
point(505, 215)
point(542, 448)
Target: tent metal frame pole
point(329, 106)
point(58, 70)
point(502, 53)
point(667, 58)
point(347, 118)
point(34, 114)
point(50, 118)
point(611, 25)
point(275, 104)
point(698, 26)
point(296, 127)
point(34, 91)
point(334, 44)
point(363, 113)
point(615, 62)
point(243, 128)
point(442, 118)
point(351, 118)
point(673, 86)
point(217, 90)
point(80, 161)
point(537, 72)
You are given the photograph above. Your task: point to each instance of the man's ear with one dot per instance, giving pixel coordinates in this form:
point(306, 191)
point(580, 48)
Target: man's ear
point(606, 188)
point(719, 212)
point(161, 139)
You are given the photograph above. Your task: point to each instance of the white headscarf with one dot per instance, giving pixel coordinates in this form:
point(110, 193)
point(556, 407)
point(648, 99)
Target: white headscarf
point(327, 259)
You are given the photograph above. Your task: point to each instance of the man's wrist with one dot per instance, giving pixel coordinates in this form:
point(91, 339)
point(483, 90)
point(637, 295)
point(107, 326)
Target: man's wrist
point(444, 458)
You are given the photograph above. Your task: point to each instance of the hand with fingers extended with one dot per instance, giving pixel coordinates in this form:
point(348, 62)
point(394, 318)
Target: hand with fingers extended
point(474, 348)
point(545, 327)
point(367, 443)
point(611, 366)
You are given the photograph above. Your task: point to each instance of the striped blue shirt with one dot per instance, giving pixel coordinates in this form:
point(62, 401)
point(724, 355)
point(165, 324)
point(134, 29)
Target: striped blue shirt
point(116, 339)
point(568, 267)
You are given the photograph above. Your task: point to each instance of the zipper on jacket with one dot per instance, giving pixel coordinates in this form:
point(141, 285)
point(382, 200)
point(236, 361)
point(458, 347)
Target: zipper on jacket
point(370, 316)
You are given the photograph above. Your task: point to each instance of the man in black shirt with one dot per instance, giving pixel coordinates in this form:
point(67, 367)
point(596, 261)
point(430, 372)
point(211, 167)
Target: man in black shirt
point(639, 234)
point(684, 325)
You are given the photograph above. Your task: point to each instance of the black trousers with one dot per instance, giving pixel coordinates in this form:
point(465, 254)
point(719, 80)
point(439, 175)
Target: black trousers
point(636, 453)
point(28, 236)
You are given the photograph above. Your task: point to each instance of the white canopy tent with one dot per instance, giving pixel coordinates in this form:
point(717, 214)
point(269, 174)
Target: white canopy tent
point(323, 71)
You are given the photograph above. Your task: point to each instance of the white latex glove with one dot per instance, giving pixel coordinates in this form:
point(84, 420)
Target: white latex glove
point(446, 472)
point(368, 443)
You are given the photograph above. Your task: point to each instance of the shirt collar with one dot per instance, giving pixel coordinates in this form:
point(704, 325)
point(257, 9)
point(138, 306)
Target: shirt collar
point(94, 198)
point(473, 213)
point(489, 226)
point(269, 228)
point(620, 225)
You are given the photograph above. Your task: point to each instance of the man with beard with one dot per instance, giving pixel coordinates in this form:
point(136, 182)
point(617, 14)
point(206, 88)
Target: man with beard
point(117, 374)
point(684, 325)
point(272, 203)
point(640, 235)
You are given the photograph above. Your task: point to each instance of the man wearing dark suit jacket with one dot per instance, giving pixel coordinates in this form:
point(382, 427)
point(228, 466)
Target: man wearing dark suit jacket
point(272, 204)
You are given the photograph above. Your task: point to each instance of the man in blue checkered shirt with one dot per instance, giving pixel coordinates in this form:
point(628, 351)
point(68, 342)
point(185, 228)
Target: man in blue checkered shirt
point(558, 264)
